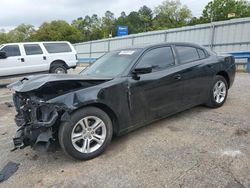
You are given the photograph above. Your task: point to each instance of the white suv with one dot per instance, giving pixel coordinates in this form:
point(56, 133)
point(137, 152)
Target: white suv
point(35, 57)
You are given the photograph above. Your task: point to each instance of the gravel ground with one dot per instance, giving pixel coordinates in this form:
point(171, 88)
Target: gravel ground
point(200, 147)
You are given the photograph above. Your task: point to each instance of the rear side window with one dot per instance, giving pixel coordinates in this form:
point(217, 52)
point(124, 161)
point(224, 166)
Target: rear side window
point(32, 49)
point(187, 54)
point(158, 58)
point(11, 50)
point(201, 53)
point(57, 47)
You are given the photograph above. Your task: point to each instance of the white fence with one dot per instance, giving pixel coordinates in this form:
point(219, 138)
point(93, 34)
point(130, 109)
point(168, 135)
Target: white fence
point(222, 37)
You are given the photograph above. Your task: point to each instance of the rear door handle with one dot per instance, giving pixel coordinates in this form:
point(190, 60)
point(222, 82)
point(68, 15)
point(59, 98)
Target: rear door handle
point(177, 77)
point(21, 59)
point(210, 66)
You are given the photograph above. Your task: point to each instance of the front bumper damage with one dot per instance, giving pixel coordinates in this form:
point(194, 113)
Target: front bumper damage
point(37, 120)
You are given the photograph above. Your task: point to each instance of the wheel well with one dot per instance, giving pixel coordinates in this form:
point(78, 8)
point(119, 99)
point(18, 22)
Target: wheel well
point(110, 113)
point(225, 75)
point(58, 62)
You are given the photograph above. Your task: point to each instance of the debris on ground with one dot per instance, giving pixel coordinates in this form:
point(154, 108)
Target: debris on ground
point(8, 170)
point(34, 157)
point(242, 132)
point(231, 153)
point(9, 104)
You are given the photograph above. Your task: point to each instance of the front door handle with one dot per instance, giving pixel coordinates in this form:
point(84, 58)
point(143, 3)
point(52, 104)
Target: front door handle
point(177, 77)
point(21, 59)
point(44, 58)
point(210, 66)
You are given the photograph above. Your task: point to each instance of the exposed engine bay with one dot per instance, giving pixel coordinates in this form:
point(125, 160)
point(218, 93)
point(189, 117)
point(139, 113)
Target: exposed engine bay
point(38, 119)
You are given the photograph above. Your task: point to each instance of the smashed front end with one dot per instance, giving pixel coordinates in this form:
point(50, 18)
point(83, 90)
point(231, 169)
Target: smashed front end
point(37, 121)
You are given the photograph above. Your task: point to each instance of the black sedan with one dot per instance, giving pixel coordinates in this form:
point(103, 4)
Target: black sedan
point(123, 90)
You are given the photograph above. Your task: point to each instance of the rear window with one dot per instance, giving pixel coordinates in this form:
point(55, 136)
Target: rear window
point(201, 53)
point(187, 54)
point(32, 49)
point(57, 47)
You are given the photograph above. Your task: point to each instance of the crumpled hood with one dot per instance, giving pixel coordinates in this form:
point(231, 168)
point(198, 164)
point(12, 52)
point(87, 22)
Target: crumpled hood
point(35, 82)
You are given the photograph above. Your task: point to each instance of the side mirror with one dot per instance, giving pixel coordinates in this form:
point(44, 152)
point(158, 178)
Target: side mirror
point(142, 70)
point(3, 55)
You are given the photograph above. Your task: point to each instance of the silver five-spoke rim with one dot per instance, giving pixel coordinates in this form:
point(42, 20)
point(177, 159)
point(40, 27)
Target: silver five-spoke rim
point(220, 91)
point(88, 134)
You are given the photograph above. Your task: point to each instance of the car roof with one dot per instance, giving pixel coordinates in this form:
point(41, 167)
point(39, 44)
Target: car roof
point(35, 42)
point(146, 46)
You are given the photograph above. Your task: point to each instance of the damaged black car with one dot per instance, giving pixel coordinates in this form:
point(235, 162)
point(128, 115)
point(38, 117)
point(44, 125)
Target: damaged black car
point(123, 90)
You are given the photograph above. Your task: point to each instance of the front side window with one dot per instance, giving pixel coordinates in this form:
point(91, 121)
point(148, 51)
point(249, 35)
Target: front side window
point(32, 49)
point(187, 54)
point(11, 50)
point(158, 59)
point(57, 47)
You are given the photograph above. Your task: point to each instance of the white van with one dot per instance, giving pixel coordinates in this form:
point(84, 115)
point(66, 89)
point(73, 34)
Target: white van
point(36, 57)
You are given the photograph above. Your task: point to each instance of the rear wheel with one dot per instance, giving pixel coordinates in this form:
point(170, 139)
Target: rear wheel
point(58, 69)
point(87, 135)
point(218, 92)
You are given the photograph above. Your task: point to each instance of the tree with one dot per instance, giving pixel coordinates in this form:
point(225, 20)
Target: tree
point(4, 37)
point(134, 23)
point(57, 31)
point(22, 33)
point(96, 27)
point(108, 23)
point(79, 24)
point(195, 21)
point(90, 27)
point(171, 14)
point(146, 17)
point(218, 10)
point(122, 19)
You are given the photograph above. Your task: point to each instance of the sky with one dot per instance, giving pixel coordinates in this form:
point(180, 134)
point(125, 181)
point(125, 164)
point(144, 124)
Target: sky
point(35, 12)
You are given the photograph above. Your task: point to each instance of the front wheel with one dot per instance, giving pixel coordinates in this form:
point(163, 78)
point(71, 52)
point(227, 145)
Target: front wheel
point(218, 92)
point(87, 135)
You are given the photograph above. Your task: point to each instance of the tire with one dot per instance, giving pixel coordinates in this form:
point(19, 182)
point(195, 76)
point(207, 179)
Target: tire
point(58, 69)
point(70, 132)
point(217, 97)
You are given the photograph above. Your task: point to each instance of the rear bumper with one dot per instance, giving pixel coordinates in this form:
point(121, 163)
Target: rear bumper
point(72, 67)
point(231, 73)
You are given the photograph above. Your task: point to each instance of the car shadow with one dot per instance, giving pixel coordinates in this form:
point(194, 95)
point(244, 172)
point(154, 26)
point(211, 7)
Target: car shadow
point(120, 143)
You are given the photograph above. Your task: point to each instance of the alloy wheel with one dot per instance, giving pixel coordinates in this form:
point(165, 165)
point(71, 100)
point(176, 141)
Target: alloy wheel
point(88, 134)
point(219, 92)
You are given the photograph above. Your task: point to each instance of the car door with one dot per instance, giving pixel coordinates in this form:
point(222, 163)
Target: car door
point(156, 94)
point(13, 64)
point(35, 59)
point(194, 74)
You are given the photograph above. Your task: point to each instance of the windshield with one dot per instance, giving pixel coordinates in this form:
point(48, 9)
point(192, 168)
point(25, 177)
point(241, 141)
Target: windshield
point(112, 64)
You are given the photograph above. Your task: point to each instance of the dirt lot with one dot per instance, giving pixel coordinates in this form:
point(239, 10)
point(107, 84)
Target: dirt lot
point(200, 147)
